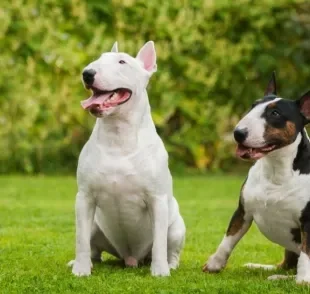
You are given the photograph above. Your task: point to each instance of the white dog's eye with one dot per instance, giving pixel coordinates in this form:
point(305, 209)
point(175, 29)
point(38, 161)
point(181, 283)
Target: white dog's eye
point(122, 62)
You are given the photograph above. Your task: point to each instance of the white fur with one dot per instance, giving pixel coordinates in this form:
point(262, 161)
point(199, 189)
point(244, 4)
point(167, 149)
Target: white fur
point(267, 267)
point(255, 125)
point(115, 47)
point(280, 277)
point(303, 269)
point(125, 190)
point(275, 194)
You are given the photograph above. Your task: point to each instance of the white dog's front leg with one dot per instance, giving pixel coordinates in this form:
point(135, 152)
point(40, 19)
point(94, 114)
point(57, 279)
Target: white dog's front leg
point(84, 210)
point(159, 215)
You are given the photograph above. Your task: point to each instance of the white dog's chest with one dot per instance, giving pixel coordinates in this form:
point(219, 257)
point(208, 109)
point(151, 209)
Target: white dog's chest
point(116, 175)
point(276, 209)
point(120, 191)
point(119, 185)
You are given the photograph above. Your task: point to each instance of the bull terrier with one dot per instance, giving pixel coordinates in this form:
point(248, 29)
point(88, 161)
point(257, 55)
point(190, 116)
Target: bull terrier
point(276, 192)
point(125, 204)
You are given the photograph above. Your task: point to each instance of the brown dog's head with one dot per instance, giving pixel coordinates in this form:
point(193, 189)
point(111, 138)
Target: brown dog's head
point(271, 123)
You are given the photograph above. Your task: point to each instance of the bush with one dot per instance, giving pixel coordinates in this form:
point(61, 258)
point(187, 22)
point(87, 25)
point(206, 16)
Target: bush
point(214, 59)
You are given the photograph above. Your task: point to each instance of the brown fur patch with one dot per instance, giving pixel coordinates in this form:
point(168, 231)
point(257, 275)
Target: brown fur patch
point(271, 105)
point(304, 241)
point(284, 135)
point(237, 219)
point(236, 223)
point(290, 260)
point(290, 128)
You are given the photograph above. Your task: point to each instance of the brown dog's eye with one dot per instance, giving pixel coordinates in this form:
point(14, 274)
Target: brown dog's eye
point(122, 62)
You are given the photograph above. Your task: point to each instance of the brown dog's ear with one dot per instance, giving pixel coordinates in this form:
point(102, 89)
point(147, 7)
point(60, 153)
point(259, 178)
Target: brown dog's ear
point(272, 85)
point(304, 105)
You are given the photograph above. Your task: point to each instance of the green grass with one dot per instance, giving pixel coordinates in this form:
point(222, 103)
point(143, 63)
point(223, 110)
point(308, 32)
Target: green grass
point(37, 240)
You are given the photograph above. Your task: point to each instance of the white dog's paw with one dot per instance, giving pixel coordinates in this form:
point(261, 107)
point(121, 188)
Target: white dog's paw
point(173, 265)
point(214, 264)
point(173, 261)
point(71, 263)
point(267, 267)
point(80, 269)
point(160, 269)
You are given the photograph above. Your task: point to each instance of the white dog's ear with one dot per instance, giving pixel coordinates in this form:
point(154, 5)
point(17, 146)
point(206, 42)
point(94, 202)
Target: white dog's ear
point(114, 47)
point(147, 55)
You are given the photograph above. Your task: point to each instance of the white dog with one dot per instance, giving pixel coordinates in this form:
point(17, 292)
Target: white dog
point(125, 204)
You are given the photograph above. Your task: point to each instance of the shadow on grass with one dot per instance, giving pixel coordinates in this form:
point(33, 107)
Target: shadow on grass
point(110, 264)
point(256, 274)
point(114, 264)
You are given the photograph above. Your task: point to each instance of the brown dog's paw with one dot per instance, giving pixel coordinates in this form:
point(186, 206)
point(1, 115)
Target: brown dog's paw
point(214, 264)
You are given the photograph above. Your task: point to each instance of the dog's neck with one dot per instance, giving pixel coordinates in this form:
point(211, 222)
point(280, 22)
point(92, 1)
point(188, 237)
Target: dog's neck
point(279, 165)
point(122, 133)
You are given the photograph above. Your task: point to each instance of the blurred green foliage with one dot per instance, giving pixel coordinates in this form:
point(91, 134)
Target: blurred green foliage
point(214, 59)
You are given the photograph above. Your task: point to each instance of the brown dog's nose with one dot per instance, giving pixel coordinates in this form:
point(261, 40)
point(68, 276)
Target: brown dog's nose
point(89, 76)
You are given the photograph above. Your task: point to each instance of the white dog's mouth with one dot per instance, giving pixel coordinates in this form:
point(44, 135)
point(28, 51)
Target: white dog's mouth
point(246, 152)
point(105, 99)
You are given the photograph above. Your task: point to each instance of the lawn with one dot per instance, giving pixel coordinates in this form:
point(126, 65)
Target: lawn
point(37, 240)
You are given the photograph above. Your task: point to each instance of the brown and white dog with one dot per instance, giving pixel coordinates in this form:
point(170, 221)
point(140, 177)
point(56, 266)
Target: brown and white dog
point(276, 192)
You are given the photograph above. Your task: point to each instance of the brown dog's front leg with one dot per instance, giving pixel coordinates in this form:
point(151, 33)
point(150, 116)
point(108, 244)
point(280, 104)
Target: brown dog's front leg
point(238, 226)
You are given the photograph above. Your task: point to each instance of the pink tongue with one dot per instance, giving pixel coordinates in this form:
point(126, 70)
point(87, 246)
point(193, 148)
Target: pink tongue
point(95, 100)
point(241, 150)
point(252, 153)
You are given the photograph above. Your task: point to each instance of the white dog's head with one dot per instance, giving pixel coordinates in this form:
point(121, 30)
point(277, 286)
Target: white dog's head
point(117, 79)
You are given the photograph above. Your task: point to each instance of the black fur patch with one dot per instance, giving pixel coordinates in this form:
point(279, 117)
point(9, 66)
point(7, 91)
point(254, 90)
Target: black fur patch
point(302, 159)
point(263, 100)
point(305, 216)
point(290, 260)
point(305, 229)
point(287, 110)
point(296, 235)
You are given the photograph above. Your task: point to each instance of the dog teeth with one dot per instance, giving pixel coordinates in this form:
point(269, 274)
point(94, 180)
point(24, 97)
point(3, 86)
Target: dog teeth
point(113, 97)
point(110, 97)
point(268, 148)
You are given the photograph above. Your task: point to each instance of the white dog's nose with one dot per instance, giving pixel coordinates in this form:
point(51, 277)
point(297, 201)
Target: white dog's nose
point(89, 76)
